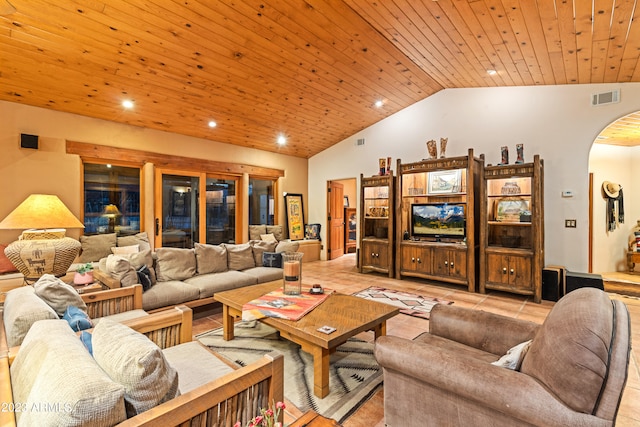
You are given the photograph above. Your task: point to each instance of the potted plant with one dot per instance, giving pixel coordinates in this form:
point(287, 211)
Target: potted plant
point(84, 274)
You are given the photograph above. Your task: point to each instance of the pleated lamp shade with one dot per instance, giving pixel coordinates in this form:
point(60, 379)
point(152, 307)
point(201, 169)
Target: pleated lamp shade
point(43, 211)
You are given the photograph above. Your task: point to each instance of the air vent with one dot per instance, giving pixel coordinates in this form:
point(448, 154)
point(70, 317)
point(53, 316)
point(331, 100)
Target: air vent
point(359, 142)
point(605, 98)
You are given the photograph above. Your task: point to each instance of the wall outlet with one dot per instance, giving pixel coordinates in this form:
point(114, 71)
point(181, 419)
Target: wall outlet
point(570, 223)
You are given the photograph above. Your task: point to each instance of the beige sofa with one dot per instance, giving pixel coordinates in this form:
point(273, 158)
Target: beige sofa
point(171, 381)
point(573, 373)
point(193, 276)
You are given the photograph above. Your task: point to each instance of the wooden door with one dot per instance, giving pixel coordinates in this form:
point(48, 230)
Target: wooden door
point(335, 219)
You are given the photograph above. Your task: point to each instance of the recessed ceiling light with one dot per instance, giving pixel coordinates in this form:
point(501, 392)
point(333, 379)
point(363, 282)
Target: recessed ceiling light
point(379, 103)
point(128, 104)
point(492, 72)
point(108, 166)
point(282, 140)
point(212, 124)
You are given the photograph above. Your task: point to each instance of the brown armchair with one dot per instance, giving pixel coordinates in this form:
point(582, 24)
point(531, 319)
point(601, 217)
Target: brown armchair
point(573, 373)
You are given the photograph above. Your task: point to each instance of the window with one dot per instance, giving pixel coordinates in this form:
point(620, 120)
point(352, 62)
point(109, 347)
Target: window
point(221, 211)
point(111, 199)
point(261, 203)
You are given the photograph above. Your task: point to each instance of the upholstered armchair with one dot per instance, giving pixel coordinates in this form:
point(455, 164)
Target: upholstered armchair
point(573, 373)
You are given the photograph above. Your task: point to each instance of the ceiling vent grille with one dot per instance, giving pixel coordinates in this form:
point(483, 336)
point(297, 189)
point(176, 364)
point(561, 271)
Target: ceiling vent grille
point(605, 98)
point(359, 142)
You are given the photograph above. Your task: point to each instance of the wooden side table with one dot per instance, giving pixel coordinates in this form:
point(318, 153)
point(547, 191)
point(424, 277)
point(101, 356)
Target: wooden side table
point(632, 258)
point(313, 419)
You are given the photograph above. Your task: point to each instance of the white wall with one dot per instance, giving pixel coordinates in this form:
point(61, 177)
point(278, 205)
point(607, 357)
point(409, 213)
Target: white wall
point(615, 164)
point(556, 122)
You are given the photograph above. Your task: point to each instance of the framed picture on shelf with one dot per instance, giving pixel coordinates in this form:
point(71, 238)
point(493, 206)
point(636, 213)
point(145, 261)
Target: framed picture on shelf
point(346, 201)
point(509, 209)
point(444, 182)
point(295, 216)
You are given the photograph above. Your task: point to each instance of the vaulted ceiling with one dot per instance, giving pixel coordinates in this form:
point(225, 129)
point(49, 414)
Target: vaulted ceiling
point(310, 70)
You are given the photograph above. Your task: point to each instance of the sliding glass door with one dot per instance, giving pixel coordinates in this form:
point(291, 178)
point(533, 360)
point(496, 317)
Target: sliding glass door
point(195, 207)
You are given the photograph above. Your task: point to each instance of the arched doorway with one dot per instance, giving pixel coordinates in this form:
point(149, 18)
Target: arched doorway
point(613, 158)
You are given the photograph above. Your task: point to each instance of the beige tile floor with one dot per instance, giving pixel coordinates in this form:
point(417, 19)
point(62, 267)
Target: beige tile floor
point(342, 275)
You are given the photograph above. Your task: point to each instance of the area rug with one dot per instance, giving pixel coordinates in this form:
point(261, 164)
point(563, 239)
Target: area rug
point(354, 373)
point(411, 304)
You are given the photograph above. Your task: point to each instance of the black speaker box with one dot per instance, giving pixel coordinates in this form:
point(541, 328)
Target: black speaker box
point(553, 282)
point(582, 280)
point(29, 141)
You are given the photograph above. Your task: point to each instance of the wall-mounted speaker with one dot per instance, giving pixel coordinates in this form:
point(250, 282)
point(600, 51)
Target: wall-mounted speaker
point(29, 141)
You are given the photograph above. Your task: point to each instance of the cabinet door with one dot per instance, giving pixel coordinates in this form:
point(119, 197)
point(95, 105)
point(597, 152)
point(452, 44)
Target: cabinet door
point(497, 269)
point(408, 258)
point(375, 255)
point(441, 265)
point(520, 276)
point(368, 251)
point(458, 264)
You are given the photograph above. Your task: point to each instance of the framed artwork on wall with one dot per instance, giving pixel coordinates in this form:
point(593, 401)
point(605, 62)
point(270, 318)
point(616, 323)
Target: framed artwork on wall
point(295, 215)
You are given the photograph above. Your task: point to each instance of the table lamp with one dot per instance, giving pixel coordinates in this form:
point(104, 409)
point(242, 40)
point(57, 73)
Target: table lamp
point(42, 248)
point(111, 212)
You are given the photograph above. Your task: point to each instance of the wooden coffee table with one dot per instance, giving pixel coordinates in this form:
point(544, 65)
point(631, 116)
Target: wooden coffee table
point(348, 314)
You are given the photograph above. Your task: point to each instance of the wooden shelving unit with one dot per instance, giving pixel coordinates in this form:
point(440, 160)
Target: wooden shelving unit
point(512, 228)
point(377, 224)
point(450, 255)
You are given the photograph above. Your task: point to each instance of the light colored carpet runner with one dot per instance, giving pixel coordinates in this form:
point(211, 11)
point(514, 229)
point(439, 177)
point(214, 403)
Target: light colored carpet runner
point(411, 304)
point(354, 377)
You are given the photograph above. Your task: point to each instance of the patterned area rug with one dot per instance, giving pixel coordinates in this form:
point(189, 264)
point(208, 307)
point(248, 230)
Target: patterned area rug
point(354, 373)
point(411, 304)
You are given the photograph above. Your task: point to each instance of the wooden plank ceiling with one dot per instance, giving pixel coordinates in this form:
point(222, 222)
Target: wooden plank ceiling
point(308, 69)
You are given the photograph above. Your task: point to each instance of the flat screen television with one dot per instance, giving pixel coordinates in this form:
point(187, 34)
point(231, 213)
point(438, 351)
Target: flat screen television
point(438, 220)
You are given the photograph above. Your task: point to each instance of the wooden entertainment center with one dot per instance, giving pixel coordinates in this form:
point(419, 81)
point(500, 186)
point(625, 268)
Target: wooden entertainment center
point(443, 252)
point(457, 221)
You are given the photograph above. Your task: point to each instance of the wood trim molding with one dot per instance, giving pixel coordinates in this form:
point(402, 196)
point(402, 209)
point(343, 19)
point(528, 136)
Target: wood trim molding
point(106, 153)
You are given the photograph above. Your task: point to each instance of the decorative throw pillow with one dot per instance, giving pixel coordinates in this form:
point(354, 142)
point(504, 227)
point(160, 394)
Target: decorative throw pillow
point(277, 231)
point(513, 358)
point(144, 257)
point(125, 250)
point(137, 363)
point(58, 294)
point(144, 277)
point(140, 239)
point(85, 338)
point(53, 367)
point(175, 264)
point(121, 269)
point(272, 259)
point(6, 266)
point(96, 247)
point(240, 257)
point(268, 237)
point(256, 230)
point(260, 246)
point(210, 258)
point(287, 246)
point(22, 308)
point(77, 319)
